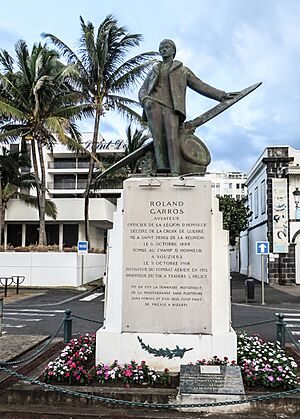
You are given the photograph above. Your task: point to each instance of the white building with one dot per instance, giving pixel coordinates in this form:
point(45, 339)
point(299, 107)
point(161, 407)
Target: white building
point(228, 183)
point(233, 185)
point(66, 175)
point(272, 194)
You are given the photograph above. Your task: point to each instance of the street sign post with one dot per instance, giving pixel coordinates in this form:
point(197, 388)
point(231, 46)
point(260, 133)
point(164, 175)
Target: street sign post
point(262, 249)
point(82, 249)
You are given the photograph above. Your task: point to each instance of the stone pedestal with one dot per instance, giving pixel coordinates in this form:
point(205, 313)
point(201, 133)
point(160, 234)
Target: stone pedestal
point(168, 275)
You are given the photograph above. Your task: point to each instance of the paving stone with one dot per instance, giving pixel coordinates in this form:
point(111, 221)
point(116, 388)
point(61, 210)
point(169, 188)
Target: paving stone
point(14, 345)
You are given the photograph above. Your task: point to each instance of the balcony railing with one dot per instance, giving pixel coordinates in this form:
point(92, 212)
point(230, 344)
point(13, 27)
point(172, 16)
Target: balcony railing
point(68, 165)
point(114, 183)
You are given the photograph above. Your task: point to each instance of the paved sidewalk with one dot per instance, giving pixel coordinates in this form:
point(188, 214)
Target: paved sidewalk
point(284, 296)
point(12, 346)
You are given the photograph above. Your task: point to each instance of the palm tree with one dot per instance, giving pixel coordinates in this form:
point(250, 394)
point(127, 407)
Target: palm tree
point(16, 179)
point(106, 75)
point(38, 103)
point(135, 140)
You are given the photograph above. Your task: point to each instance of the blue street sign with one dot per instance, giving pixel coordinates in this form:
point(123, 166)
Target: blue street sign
point(262, 248)
point(82, 246)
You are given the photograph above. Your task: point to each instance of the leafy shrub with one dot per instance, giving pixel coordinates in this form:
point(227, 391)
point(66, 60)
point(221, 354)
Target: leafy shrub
point(265, 363)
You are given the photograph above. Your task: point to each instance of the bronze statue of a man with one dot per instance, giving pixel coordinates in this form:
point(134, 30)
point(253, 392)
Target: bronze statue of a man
point(162, 97)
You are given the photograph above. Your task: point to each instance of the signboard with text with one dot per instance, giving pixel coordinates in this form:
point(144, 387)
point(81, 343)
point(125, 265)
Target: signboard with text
point(280, 216)
point(82, 247)
point(167, 258)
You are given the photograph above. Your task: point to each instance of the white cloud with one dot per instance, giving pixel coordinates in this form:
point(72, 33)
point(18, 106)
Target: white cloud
point(229, 44)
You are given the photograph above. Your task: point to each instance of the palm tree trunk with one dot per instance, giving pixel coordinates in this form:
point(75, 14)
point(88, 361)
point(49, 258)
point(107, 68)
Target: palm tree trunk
point(90, 175)
point(2, 212)
point(1, 208)
point(42, 231)
point(38, 189)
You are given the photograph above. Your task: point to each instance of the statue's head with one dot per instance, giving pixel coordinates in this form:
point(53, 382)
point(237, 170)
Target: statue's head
point(167, 45)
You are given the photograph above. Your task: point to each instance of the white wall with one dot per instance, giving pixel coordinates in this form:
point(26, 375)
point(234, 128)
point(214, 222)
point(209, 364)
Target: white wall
point(67, 210)
point(257, 229)
point(234, 258)
point(244, 253)
point(257, 197)
point(96, 237)
point(257, 234)
point(52, 269)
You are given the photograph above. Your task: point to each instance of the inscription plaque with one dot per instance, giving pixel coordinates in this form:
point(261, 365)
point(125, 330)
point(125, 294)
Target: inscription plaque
point(194, 379)
point(167, 257)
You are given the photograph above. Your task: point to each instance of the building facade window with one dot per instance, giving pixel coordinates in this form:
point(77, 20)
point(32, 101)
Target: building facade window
point(263, 196)
point(251, 207)
point(256, 202)
point(14, 234)
point(70, 235)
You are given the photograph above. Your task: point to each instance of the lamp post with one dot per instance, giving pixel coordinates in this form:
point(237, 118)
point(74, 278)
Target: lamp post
point(296, 194)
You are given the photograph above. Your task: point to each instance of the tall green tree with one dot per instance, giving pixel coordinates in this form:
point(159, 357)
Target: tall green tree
point(235, 216)
point(106, 76)
point(39, 103)
point(16, 182)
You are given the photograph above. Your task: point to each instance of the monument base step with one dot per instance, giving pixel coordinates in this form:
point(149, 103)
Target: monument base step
point(213, 398)
point(149, 347)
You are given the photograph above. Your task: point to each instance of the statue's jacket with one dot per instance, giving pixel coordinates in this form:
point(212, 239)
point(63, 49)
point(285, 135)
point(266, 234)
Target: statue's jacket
point(180, 77)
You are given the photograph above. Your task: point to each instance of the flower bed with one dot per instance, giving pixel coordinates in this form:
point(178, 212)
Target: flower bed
point(263, 364)
point(75, 365)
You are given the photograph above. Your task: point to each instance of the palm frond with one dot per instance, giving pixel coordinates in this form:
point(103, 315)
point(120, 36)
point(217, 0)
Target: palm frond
point(50, 207)
point(63, 48)
point(131, 72)
point(127, 112)
point(8, 191)
point(6, 61)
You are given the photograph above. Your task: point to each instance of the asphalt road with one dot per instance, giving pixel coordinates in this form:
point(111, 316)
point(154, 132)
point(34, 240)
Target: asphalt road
point(43, 313)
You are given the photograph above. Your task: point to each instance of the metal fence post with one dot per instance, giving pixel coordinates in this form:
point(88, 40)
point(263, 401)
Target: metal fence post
point(5, 287)
point(18, 280)
point(1, 315)
point(280, 329)
point(67, 326)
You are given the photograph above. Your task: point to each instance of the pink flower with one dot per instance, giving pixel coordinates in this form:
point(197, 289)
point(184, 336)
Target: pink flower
point(271, 378)
point(128, 373)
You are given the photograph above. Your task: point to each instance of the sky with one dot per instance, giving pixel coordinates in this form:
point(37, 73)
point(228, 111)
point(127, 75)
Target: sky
point(230, 44)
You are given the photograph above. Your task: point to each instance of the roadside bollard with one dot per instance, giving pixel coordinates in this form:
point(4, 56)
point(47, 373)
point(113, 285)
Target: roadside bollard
point(1, 315)
point(280, 329)
point(67, 326)
point(249, 290)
